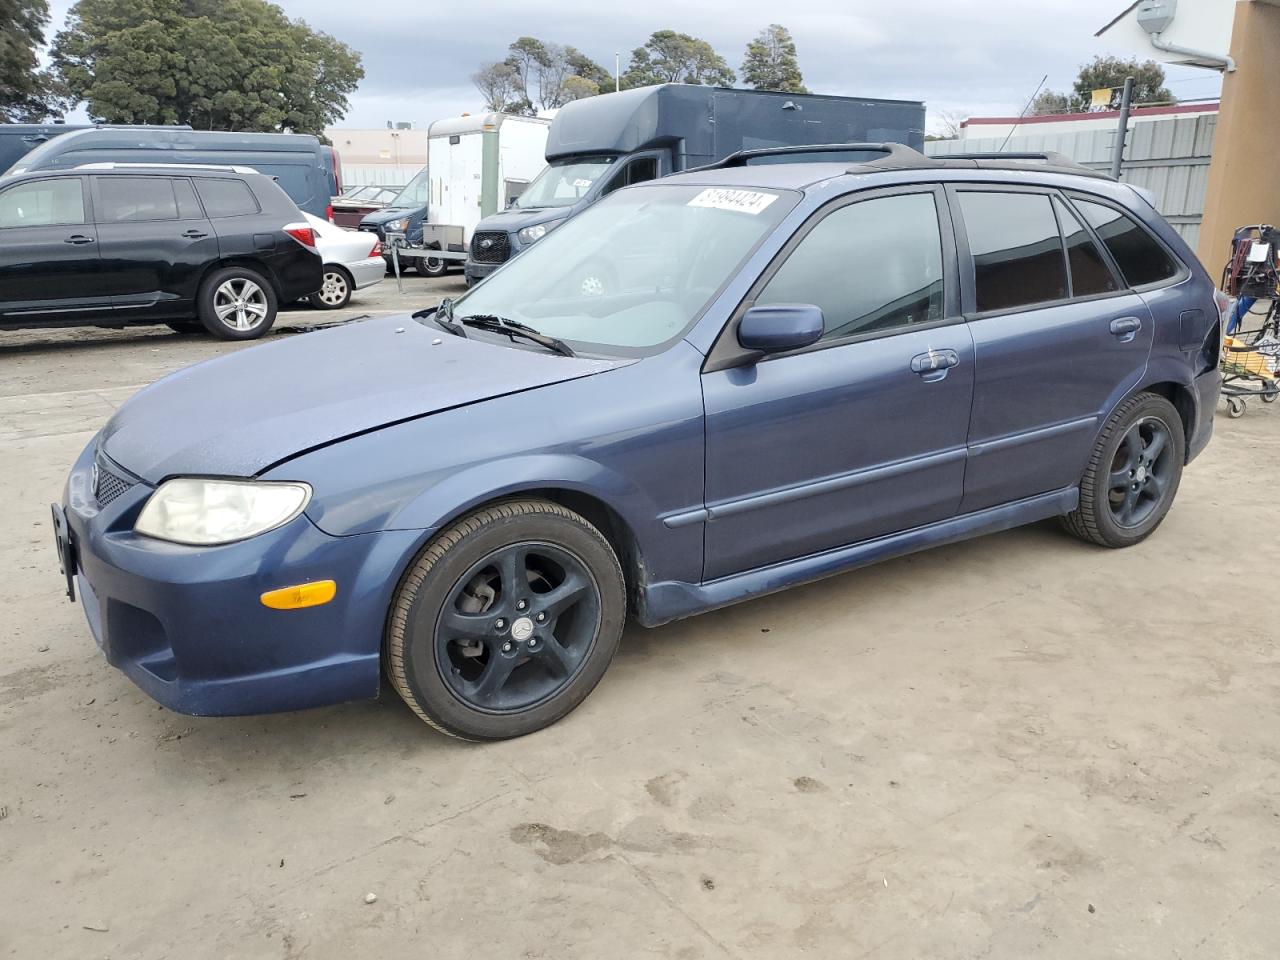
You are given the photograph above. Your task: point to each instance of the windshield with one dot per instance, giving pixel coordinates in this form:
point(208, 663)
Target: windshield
point(564, 182)
point(633, 271)
point(416, 193)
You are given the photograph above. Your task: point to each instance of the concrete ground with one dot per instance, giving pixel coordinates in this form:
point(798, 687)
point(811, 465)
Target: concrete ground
point(1016, 747)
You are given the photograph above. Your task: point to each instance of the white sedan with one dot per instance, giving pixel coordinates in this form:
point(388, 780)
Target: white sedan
point(352, 261)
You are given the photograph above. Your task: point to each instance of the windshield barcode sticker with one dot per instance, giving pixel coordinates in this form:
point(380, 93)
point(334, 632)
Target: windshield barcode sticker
point(744, 201)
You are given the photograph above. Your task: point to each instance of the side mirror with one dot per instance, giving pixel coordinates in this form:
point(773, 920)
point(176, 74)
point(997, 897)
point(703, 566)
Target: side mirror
point(780, 326)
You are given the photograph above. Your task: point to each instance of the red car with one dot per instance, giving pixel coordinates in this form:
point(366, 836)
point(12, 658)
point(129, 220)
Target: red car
point(352, 207)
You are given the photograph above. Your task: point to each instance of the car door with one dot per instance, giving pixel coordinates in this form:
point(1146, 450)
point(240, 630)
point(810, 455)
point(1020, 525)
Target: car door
point(49, 264)
point(1058, 339)
point(155, 242)
point(862, 434)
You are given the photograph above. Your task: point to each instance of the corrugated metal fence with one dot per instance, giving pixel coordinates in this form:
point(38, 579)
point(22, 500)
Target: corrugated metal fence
point(1169, 157)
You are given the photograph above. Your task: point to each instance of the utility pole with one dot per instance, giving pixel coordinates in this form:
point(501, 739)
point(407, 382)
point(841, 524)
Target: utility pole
point(617, 71)
point(1122, 129)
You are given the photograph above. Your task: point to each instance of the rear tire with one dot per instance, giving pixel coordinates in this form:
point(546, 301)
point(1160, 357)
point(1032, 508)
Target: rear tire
point(335, 289)
point(1132, 476)
point(506, 621)
point(236, 303)
point(432, 266)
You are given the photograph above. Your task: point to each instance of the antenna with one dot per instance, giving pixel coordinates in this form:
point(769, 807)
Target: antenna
point(1043, 80)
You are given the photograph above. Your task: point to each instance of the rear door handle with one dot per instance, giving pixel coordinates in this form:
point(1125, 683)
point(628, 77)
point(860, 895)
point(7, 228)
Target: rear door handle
point(194, 234)
point(1126, 328)
point(933, 366)
point(78, 238)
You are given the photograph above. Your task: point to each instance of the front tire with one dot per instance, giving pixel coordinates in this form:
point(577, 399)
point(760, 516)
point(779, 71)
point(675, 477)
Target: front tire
point(335, 289)
point(506, 621)
point(431, 266)
point(236, 303)
point(1133, 474)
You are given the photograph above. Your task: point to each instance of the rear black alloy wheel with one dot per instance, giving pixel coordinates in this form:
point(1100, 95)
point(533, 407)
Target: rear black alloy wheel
point(236, 303)
point(1133, 474)
point(506, 621)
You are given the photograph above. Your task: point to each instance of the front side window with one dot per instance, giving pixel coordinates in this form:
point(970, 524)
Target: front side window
point(226, 198)
point(43, 203)
point(564, 183)
point(633, 271)
point(1140, 258)
point(1016, 249)
point(127, 199)
point(871, 266)
point(639, 170)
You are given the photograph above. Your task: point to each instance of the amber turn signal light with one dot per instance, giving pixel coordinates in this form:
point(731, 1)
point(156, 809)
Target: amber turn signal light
point(303, 595)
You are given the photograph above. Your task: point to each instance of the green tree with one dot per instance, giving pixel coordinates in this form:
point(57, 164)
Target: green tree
point(771, 62)
point(1102, 73)
point(1051, 102)
point(1110, 72)
point(671, 57)
point(215, 64)
point(27, 94)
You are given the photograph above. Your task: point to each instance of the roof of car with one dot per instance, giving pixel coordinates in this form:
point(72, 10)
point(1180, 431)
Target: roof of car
point(140, 170)
point(771, 167)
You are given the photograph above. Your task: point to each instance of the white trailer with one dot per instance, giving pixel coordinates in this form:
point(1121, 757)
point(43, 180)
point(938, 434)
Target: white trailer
point(476, 166)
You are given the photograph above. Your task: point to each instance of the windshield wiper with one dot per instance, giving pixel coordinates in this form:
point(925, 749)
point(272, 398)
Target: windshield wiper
point(513, 328)
point(443, 316)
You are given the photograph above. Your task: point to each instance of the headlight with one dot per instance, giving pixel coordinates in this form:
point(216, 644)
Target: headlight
point(398, 226)
point(530, 234)
point(206, 512)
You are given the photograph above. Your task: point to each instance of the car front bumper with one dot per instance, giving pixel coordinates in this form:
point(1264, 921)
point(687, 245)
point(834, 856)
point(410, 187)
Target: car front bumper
point(187, 624)
point(365, 273)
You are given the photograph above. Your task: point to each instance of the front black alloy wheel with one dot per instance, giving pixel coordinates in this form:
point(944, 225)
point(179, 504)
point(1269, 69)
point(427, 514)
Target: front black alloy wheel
point(1132, 475)
point(506, 621)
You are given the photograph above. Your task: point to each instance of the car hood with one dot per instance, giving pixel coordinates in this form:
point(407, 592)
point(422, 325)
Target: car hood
point(378, 217)
point(509, 221)
point(241, 413)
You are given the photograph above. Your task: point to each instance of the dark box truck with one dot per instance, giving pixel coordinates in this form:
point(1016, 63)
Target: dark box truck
point(601, 143)
point(19, 139)
point(306, 169)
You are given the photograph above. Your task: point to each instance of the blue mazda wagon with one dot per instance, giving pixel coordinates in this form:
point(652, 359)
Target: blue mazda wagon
point(794, 369)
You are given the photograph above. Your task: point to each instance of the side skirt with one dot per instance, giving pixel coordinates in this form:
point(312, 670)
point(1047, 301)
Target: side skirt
point(672, 599)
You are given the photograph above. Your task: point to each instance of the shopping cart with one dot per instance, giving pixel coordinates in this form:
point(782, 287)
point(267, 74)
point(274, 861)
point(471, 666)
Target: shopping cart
point(1251, 341)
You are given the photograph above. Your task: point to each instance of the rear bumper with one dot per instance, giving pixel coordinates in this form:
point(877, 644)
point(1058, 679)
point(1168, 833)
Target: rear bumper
point(186, 623)
point(365, 273)
point(1207, 388)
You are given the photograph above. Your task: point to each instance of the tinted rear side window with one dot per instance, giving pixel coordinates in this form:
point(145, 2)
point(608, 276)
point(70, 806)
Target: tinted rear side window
point(1016, 248)
point(129, 199)
point(1140, 257)
point(188, 206)
point(1090, 275)
point(226, 198)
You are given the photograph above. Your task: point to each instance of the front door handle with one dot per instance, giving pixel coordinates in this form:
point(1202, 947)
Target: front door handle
point(78, 238)
point(933, 366)
point(194, 234)
point(1125, 328)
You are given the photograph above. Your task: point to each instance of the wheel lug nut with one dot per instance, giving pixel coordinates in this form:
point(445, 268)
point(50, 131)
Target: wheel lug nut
point(533, 642)
point(540, 617)
point(506, 647)
point(499, 624)
point(522, 604)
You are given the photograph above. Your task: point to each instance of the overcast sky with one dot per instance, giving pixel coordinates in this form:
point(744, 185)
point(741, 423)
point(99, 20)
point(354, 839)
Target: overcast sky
point(980, 60)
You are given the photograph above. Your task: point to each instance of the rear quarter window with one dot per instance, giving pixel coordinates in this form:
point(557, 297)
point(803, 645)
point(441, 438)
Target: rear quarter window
point(1139, 255)
point(226, 198)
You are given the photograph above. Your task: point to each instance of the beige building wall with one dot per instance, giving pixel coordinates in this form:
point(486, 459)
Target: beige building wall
point(1244, 177)
point(379, 155)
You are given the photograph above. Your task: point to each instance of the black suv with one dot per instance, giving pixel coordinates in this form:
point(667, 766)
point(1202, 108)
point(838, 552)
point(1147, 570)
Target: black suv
point(116, 244)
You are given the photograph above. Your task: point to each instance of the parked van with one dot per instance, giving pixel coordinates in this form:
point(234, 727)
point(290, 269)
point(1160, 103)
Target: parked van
point(18, 139)
point(601, 143)
point(476, 166)
point(306, 169)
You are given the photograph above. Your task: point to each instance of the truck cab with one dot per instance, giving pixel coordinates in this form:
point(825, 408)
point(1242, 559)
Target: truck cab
point(599, 144)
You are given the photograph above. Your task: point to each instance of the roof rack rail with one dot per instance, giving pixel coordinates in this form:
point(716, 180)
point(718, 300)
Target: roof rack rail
point(1045, 159)
point(891, 151)
point(117, 165)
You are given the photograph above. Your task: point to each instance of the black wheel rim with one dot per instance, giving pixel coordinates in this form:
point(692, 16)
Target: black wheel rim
point(517, 627)
point(1141, 472)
